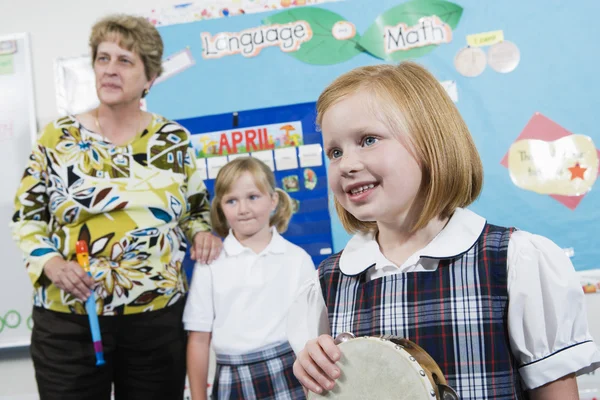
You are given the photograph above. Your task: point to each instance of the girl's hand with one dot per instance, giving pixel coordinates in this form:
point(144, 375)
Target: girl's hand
point(315, 365)
point(206, 247)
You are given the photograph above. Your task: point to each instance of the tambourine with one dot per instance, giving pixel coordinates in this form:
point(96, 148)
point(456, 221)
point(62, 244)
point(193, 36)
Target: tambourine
point(386, 367)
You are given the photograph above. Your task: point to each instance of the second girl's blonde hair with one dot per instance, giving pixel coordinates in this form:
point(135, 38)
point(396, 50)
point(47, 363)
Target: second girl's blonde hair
point(265, 182)
point(417, 109)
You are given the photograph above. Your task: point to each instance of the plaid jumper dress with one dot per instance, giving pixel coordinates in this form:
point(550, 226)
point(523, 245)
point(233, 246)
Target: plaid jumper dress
point(265, 375)
point(457, 313)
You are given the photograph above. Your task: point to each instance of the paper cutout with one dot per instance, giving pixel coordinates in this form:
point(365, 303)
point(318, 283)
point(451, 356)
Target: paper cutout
point(7, 66)
point(411, 29)
point(428, 31)
point(201, 168)
point(266, 157)
point(295, 205)
point(450, 88)
point(190, 12)
point(485, 38)
point(8, 47)
point(470, 61)
point(288, 37)
point(175, 64)
point(310, 179)
point(543, 128)
point(232, 157)
point(343, 30)
point(567, 166)
point(286, 159)
point(249, 139)
point(504, 57)
point(290, 183)
point(577, 171)
point(324, 48)
point(214, 165)
point(310, 155)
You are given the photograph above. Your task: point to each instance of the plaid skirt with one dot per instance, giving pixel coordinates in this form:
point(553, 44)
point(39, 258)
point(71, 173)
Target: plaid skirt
point(265, 374)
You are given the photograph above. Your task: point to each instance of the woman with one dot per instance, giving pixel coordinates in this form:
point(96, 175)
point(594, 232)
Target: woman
point(124, 181)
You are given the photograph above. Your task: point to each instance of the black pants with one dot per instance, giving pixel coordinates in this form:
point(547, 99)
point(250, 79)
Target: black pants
point(144, 353)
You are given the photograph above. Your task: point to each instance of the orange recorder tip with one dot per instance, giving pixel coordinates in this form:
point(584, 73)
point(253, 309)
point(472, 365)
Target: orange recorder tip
point(81, 246)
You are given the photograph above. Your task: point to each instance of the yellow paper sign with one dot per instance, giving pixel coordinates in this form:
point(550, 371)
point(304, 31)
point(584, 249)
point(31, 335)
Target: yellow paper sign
point(568, 166)
point(485, 38)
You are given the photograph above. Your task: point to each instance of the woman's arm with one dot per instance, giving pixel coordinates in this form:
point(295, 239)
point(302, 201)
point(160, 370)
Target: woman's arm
point(195, 222)
point(564, 388)
point(31, 218)
point(197, 216)
point(197, 363)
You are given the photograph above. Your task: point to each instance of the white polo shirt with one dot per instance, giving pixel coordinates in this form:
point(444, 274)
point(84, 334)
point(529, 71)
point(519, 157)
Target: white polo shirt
point(552, 343)
point(243, 297)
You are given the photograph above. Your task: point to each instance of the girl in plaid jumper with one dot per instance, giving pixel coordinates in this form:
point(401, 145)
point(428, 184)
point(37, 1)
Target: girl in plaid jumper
point(240, 301)
point(501, 311)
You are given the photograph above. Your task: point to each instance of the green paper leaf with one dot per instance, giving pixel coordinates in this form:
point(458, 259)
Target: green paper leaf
point(409, 13)
point(323, 48)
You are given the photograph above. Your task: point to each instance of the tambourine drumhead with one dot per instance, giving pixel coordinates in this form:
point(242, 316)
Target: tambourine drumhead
point(375, 368)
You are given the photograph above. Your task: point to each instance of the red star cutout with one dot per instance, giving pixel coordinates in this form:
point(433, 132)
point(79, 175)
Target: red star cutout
point(577, 171)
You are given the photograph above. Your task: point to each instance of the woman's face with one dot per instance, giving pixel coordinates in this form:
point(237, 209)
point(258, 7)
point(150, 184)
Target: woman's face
point(120, 75)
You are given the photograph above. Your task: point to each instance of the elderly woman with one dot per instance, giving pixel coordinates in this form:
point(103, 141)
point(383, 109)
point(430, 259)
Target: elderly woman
point(124, 181)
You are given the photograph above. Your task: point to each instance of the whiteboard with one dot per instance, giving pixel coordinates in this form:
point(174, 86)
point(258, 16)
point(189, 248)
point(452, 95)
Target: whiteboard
point(17, 134)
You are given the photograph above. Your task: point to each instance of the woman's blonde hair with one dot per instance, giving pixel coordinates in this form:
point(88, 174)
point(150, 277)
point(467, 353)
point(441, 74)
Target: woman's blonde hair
point(265, 182)
point(134, 34)
point(417, 109)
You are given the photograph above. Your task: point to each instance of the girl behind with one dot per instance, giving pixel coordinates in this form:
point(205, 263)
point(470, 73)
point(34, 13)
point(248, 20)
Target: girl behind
point(240, 301)
point(501, 311)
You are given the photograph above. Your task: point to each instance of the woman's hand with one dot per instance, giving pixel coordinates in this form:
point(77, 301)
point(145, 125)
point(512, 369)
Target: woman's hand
point(315, 365)
point(70, 277)
point(206, 247)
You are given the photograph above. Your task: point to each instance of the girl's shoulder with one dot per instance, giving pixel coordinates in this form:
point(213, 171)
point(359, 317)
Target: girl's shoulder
point(291, 250)
point(527, 244)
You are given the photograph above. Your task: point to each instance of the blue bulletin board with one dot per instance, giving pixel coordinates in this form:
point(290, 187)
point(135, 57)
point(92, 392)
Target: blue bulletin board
point(556, 78)
point(310, 226)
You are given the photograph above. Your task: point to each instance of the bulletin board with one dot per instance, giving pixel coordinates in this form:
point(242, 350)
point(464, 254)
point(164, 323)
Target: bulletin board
point(550, 93)
point(294, 154)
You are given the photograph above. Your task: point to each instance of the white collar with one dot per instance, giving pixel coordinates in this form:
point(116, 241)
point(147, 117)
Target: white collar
point(233, 247)
point(460, 234)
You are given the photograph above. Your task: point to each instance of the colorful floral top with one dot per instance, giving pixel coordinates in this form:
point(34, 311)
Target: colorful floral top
point(132, 204)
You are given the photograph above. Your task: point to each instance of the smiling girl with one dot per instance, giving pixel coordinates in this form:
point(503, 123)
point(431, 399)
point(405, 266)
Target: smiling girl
point(501, 311)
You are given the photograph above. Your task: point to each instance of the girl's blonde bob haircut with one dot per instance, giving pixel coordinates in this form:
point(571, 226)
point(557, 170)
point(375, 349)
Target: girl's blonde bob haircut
point(134, 34)
point(265, 182)
point(414, 106)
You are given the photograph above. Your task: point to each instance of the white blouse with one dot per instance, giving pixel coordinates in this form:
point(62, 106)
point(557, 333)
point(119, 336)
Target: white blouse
point(243, 297)
point(551, 344)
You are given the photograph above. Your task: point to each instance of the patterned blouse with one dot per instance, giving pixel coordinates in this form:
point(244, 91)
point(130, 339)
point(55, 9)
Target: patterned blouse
point(133, 204)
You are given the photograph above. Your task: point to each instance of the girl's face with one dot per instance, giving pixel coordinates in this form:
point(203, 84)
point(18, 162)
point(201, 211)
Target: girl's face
point(371, 173)
point(120, 74)
point(247, 209)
